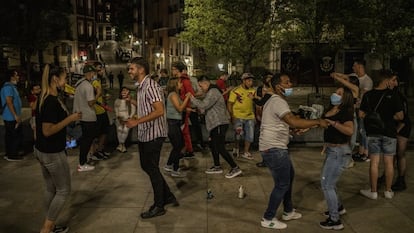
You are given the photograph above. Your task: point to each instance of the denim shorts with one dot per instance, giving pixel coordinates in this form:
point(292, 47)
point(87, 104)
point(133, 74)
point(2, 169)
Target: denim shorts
point(382, 145)
point(244, 128)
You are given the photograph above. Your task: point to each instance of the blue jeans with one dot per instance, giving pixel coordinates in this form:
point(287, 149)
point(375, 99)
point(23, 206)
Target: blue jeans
point(382, 145)
point(335, 162)
point(244, 128)
point(280, 165)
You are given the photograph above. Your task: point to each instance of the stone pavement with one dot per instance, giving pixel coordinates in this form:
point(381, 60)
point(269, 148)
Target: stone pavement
point(111, 198)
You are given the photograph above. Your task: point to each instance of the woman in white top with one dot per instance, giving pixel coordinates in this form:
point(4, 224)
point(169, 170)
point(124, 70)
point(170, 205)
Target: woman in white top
point(124, 110)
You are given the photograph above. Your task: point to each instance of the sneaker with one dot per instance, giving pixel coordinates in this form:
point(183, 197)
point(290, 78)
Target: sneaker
point(97, 157)
point(233, 173)
point(236, 152)
point(367, 193)
point(85, 168)
point(351, 163)
point(214, 170)
point(168, 168)
point(388, 194)
point(178, 174)
point(247, 155)
point(103, 154)
point(273, 224)
point(60, 229)
point(119, 148)
point(291, 216)
point(124, 148)
point(341, 211)
point(13, 158)
point(329, 224)
point(361, 158)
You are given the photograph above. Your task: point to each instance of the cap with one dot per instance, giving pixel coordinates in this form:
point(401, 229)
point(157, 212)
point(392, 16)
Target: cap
point(246, 76)
point(88, 68)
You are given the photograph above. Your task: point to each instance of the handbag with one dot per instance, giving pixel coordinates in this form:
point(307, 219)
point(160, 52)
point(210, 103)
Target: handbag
point(373, 123)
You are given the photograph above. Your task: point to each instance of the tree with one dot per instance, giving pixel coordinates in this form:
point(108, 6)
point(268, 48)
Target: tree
point(237, 30)
point(31, 26)
point(387, 28)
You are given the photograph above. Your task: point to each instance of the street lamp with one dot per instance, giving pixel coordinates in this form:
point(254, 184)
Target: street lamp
point(220, 66)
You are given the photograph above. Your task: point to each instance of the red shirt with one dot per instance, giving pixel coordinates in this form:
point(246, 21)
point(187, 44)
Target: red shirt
point(32, 98)
point(187, 87)
point(222, 85)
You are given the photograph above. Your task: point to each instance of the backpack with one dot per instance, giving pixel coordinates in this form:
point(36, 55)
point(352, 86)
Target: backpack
point(2, 106)
point(373, 123)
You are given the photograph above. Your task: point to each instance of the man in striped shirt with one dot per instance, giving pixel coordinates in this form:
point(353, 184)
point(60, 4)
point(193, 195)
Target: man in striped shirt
point(152, 130)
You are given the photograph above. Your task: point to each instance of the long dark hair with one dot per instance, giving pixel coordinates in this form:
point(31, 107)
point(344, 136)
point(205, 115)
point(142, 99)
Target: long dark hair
point(347, 104)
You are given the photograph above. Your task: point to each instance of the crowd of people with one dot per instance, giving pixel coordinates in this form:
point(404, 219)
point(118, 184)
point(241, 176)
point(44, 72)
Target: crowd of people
point(167, 106)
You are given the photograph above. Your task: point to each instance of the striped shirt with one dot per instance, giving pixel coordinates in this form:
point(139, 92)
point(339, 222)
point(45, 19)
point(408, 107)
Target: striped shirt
point(149, 92)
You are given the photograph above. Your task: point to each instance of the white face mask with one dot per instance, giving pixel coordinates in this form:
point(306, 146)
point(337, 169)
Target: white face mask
point(288, 92)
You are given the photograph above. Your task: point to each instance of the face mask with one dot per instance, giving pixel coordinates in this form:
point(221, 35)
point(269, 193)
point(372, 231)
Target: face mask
point(336, 99)
point(288, 92)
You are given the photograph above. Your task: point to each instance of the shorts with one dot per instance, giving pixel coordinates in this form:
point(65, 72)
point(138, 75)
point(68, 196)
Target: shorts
point(102, 124)
point(244, 128)
point(382, 145)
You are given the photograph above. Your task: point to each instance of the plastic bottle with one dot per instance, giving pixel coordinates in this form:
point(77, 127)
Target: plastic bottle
point(241, 192)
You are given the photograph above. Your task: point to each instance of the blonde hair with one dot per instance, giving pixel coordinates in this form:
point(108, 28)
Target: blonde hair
point(48, 72)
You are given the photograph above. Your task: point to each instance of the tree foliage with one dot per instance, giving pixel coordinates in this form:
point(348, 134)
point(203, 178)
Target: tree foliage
point(237, 30)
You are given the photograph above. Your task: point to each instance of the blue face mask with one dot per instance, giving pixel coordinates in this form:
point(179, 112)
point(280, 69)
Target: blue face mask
point(336, 99)
point(288, 92)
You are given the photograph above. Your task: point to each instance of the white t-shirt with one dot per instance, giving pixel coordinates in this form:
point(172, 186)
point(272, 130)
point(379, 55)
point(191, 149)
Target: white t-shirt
point(83, 94)
point(274, 132)
point(365, 83)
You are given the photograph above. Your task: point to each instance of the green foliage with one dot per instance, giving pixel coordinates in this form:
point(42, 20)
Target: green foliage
point(234, 30)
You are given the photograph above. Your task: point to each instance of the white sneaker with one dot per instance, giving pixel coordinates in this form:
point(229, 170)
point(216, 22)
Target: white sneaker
point(168, 168)
point(178, 174)
point(388, 194)
point(123, 148)
point(85, 168)
point(247, 155)
point(233, 173)
point(273, 224)
point(291, 216)
point(236, 152)
point(367, 193)
point(351, 163)
point(119, 148)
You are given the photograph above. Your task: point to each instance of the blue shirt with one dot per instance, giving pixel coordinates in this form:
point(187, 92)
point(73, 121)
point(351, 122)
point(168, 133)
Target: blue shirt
point(9, 89)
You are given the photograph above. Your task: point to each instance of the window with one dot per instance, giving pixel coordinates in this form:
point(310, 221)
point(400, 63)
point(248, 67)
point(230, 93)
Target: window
point(108, 6)
point(81, 29)
point(108, 17)
point(100, 17)
point(90, 29)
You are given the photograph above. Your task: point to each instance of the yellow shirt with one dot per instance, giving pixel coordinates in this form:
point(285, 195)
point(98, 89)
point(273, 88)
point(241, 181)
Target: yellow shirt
point(98, 109)
point(243, 106)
